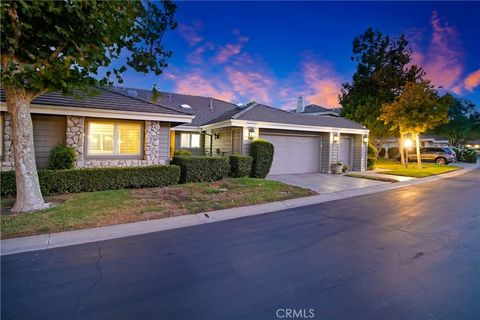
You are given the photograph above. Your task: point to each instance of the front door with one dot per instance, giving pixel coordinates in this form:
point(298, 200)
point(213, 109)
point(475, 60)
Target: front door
point(237, 141)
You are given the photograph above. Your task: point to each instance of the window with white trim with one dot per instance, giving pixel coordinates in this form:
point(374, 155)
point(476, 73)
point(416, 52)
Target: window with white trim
point(190, 140)
point(114, 138)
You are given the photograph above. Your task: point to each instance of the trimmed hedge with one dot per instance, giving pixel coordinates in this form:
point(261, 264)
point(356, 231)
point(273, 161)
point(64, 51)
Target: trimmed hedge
point(53, 182)
point(62, 157)
point(382, 153)
point(393, 152)
point(262, 154)
point(371, 163)
point(240, 166)
point(465, 154)
point(182, 152)
point(201, 168)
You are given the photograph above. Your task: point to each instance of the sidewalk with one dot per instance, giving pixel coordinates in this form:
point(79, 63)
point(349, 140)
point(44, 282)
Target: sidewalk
point(54, 240)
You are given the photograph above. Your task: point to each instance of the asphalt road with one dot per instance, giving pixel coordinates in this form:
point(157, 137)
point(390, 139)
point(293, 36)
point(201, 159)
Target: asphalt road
point(412, 253)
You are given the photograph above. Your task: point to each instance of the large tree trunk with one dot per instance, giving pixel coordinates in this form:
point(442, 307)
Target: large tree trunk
point(417, 149)
point(29, 196)
point(400, 149)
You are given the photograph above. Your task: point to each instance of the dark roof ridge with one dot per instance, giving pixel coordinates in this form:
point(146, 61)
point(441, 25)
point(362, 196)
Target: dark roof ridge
point(142, 100)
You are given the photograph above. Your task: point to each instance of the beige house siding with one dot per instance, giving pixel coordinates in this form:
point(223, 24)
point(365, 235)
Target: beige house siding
point(195, 151)
point(223, 144)
point(325, 164)
point(164, 144)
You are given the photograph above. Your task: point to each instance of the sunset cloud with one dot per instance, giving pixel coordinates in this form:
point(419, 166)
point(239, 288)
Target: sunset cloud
point(231, 49)
point(251, 84)
point(190, 32)
point(323, 83)
point(473, 80)
point(196, 83)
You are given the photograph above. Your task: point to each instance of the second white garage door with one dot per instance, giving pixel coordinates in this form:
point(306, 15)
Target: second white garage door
point(294, 154)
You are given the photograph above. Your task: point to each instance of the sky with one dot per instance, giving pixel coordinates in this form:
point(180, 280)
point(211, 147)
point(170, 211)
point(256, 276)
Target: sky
point(273, 52)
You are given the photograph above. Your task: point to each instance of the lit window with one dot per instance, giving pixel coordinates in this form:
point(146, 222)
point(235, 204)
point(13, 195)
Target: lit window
point(190, 140)
point(114, 138)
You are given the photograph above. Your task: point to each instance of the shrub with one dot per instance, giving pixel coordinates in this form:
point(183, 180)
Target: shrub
point(465, 154)
point(382, 153)
point(372, 151)
point(393, 152)
point(201, 168)
point(345, 168)
point(54, 182)
point(182, 153)
point(371, 163)
point(62, 157)
point(262, 154)
point(240, 166)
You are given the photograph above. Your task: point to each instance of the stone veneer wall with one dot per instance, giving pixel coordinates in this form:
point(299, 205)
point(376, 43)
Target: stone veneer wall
point(7, 151)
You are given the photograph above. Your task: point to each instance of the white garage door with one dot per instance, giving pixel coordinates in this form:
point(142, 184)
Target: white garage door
point(294, 154)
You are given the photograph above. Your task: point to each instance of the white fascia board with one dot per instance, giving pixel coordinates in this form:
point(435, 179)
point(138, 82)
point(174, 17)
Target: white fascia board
point(222, 124)
point(295, 127)
point(102, 113)
point(185, 128)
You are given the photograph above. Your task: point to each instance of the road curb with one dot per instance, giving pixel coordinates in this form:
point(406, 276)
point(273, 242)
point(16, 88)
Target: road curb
point(62, 239)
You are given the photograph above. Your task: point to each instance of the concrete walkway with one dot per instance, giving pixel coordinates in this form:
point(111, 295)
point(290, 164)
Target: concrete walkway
point(325, 183)
point(53, 240)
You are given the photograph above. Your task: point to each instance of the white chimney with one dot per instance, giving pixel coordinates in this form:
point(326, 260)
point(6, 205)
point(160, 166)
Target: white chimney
point(300, 104)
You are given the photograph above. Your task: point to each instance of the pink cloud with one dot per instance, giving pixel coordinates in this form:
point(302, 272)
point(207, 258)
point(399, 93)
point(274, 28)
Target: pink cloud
point(231, 49)
point(196, 56)
point(472, 81)
point(251, 84)
point(197, 84)
point(323, 84)
point(443, 60)
point(190, 32)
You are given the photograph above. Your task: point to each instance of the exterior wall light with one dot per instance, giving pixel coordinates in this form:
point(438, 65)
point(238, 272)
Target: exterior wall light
point(336, 137)
point(251, 133)
point(216, 136)
point(365, 139)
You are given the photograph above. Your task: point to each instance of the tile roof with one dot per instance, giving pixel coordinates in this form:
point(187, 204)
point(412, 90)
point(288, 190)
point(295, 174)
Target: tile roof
point(263, 113)
point(204, 108)
point(104, 98)
point(314, 108)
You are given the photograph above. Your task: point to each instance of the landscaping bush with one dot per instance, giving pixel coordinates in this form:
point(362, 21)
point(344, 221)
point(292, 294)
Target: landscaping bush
point(382, 153)
point(240, 166)
point(62, 157)
point(465, 154)
point(371, 163)
point(182, 153)
point(345, 168)
point(53, 182)
point(262, 154)
point(372, 151)
point(393, 152)
point(201, 168)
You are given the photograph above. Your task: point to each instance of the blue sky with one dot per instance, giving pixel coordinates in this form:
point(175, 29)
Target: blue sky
point(273, 52)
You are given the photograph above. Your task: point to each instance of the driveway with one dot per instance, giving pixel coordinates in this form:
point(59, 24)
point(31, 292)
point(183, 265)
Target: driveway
point(412, 253)
point(325, 183)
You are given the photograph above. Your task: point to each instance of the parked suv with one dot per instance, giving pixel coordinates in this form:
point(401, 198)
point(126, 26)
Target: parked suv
point(439, 155)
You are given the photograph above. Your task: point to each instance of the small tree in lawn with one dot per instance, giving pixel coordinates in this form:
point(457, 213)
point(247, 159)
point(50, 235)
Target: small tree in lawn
point(417, 109)
point(60, 45)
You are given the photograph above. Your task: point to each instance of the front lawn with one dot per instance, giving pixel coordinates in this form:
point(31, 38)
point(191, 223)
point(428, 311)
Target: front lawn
point(428, 169)
point(94, 209)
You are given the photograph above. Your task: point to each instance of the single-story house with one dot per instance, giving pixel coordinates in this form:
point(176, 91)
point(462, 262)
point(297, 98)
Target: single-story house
point(106, 129)
point(122, 127)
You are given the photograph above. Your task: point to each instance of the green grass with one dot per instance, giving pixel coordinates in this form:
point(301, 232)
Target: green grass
point(394, 167)
point(86, 210)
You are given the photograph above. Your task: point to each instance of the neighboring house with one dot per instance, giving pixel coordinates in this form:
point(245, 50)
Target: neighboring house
point(122, 127)
point(426, 140)
point(314, 109)
point(107, 129)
